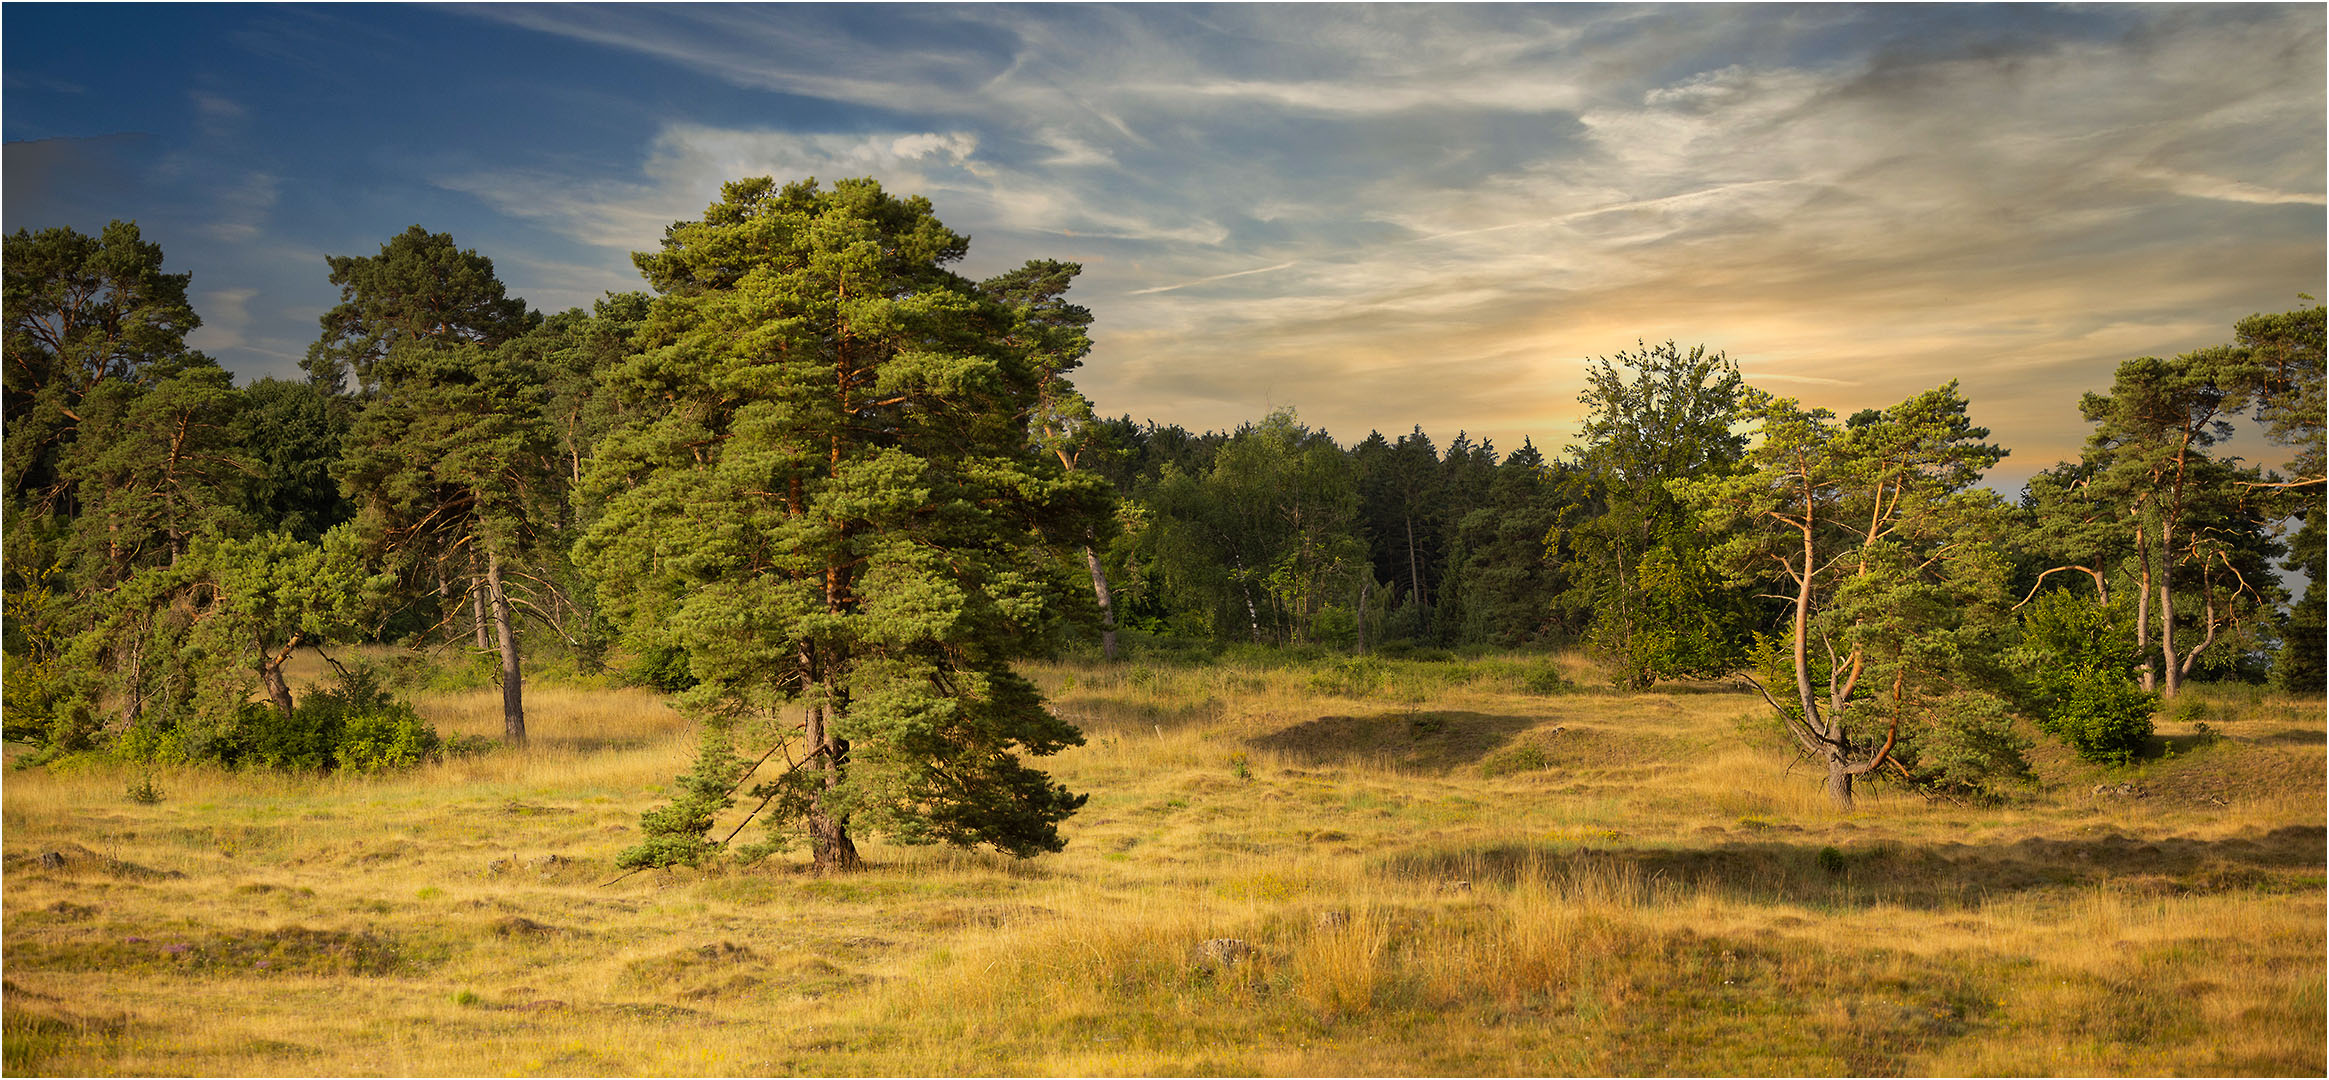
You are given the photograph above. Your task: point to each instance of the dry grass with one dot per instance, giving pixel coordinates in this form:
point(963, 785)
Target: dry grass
point(1444, 869)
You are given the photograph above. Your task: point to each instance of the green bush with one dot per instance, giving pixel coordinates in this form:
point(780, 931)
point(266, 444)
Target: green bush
point(301, 742)
point(354, 724)
point(2079, 666)
point(2107, 720)
point(1514, 759)
point(1547, 680)
point(394, 739)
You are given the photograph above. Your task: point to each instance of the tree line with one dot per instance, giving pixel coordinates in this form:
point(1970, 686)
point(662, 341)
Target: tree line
point(823, 490)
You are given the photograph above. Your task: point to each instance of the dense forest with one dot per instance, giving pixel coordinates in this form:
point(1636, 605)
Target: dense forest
point(823, 490)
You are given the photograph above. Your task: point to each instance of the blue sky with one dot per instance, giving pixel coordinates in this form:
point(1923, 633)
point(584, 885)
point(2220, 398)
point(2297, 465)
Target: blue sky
point(1381, 216)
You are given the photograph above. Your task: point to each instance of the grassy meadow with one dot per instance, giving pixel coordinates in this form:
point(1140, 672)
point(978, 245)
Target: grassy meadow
point(1479, 866)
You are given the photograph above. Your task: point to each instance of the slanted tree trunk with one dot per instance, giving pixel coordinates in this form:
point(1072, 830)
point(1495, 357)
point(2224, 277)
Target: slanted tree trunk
point(513, 703)
point(271, 675)
point(1107, 604)
point(1833, 749)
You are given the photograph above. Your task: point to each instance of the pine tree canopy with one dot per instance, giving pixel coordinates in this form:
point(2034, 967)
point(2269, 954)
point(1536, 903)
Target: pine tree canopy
point(827, 496)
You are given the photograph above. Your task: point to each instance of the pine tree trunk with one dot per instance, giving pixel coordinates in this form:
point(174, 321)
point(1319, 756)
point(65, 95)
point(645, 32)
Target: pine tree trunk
point(1415, 574)
point(2173, 674)
point(2146, 670)
point(830, 848)
point(477, 604)
point(271, 674)
point(1839, 780)
point(1830, 729)
point(1107, 605)
point(513, 705)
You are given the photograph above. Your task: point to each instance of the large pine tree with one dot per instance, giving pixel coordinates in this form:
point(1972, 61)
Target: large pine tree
point(826, 497)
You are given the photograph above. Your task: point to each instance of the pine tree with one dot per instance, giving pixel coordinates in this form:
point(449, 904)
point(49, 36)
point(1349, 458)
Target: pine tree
point(826, 498)
point(449, 459)
point(1882, 534)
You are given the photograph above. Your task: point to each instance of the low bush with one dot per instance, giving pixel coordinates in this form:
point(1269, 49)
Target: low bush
point(2078, 660)
point(355, 724)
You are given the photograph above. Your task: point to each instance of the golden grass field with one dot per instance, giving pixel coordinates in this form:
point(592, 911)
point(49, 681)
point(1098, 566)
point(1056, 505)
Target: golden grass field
point(1437, 871)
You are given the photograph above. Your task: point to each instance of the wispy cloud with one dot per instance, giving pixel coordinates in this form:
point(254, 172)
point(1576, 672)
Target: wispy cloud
point(1442, 210)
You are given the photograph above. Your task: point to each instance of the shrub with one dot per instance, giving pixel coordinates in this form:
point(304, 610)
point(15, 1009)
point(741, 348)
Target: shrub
point(2079, 665)
point(302, 742)
point(391, 739)
point(354, 724)
point(1546, 680)
point(1516, 759)
point(1963, 743)
point(2107, 720)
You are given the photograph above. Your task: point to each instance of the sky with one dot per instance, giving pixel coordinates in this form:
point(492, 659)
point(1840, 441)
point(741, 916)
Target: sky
point(1379, 216)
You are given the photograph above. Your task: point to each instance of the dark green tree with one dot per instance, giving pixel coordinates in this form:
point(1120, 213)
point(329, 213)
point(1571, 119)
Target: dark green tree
point(1053, 332)
point(421, 288)
point(449, 460)
point(825, 495)
point(449, 464)
point(1266, 540)
point(81, 312)
point(2285, 350)
point(1507, 585)
point(289, 435)
point(1402, 508)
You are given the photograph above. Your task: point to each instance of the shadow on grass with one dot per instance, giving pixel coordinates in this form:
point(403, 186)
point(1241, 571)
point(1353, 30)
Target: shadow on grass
point(2165, 746)
point(1435, 739)
point(1921, 876)
point(1097, 712)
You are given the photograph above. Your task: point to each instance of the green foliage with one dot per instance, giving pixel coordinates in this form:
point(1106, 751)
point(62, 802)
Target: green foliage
point(373, 732)
point(674, 834)
point(825, 493)
point(662, 666)
point(1657, 609)
point(1879, 529)
point(354, 724)
point(1547, 679)
point(1964, 744)
point(2078, 660)
point(81, 313)
point(2106, 720)
point(1514, 759)
point(419, 289)
point(1263, 541)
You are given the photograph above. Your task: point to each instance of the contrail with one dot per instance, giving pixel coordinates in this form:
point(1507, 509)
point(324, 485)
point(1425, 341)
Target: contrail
point(1203, 280)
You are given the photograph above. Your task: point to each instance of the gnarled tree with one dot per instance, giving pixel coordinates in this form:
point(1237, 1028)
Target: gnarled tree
point(1880, 529)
